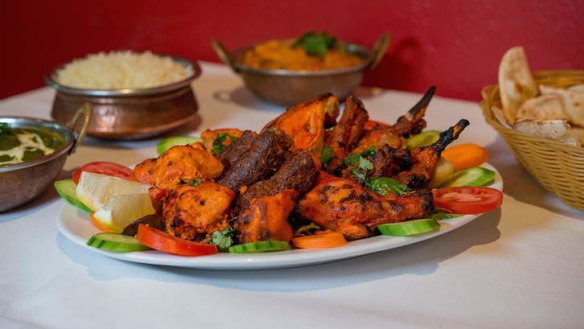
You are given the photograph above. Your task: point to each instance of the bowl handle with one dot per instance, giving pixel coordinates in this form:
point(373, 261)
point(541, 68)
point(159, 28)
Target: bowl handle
point(223, 54)
point(83, 116)
point(379, 49)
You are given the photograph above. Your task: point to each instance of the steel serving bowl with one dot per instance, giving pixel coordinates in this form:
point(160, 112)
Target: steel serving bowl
point(22, 182)
point(129, 113)
point(287, 87)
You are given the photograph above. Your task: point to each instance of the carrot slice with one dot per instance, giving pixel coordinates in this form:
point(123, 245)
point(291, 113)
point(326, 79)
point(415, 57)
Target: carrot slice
point(98, 225)
point(324, 240)
point(465, 155)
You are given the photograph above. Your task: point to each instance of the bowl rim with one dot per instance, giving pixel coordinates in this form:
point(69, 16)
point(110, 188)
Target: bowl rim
point(49, 80)
point(23, 121)
point(365, 53)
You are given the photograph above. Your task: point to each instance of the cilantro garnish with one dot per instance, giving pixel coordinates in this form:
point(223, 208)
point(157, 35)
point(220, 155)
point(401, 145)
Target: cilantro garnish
point(218, 142)
point(194, 183)
point(326, 156)
point(5, 129)
point(222, 239)
point(353, 159)
point(315, 43)
point(382, 185)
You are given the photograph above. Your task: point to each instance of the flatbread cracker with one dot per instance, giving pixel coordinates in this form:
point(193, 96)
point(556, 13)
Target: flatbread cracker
point(559, 130)
point(572, 99)
point(516, 85)
point(544, 107)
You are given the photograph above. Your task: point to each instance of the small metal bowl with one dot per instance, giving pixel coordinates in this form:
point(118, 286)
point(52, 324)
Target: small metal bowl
point(24, 181)
point(129, 114)
point(287, 87)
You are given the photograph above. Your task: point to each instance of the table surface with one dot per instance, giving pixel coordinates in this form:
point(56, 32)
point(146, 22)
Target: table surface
point(521, 266)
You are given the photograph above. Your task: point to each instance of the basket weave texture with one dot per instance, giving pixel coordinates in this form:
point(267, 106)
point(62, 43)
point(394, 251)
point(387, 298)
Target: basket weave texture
point(558, 167)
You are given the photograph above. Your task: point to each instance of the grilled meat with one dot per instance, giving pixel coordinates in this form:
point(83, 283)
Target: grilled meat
point(265, 156)
point(345, 206)
point(266, 218)
point(298, 173)
point(193, 212)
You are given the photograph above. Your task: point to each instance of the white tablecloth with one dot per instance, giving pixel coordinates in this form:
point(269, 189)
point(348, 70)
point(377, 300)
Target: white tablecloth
point(521, 266)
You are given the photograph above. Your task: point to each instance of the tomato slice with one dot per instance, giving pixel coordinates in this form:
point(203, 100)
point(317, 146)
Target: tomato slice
point(163, 241)
point(468, 199)
point(323, 240)
point(103, 167)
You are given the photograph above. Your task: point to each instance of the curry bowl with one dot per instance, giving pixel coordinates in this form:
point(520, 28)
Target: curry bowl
point(129, 113)
point(287, 87)
point(25, 180)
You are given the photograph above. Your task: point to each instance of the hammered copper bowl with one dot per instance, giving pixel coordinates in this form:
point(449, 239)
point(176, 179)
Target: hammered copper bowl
point(129, 114)
point(22, 182)
point(288, 87)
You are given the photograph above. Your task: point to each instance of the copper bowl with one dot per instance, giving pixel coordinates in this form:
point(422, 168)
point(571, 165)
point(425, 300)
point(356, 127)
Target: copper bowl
point(287, 87)
point(129, 113)
point(24, 181)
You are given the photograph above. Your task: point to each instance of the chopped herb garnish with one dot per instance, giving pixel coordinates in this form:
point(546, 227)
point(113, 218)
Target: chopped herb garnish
point(195, 182)
point(382, 185)
point(326, 156)
point(218, 142)
point(5, 129)
point(353, 159)
point(315, 43)
point(222, 239)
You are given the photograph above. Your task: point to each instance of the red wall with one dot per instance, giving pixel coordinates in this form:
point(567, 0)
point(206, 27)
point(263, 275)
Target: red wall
point(455, 45)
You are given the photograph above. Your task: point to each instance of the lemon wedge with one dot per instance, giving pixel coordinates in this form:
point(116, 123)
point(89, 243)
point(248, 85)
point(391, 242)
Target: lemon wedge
point(123, 209)
point(95, 190)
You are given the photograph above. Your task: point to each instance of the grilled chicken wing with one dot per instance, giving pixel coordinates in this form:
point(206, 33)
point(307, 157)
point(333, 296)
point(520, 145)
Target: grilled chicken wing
point(193, 213)
point(343, 137)
point(409, 124)
point(345, 206)
point(424, 159)
point(266, 218)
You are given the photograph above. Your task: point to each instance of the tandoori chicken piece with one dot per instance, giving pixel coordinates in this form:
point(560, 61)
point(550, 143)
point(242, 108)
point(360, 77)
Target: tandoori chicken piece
point(180, 164)
point(424, 159)
point(266, 218)
point(350, 128)
point(217, 139)
point(343, 205)
point(410, 123)
point(305, 123)
point(144, 171)
point(193, 212)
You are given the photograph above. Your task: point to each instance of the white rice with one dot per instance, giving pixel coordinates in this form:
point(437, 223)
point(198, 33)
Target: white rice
point(121, 69)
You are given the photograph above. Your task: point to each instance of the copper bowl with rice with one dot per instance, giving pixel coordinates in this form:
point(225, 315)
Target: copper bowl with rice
point(291, 86)
point(126, 112)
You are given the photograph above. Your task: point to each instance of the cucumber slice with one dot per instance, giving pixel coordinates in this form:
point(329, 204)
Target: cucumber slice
point(66, 189)
point(115, 242)
point(409, 228)
point(475, 176)
point(422, 139)
point(169, 142)
point(260, 246)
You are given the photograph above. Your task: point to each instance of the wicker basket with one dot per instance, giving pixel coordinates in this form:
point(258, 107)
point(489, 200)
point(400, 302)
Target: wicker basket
point(558, 167)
